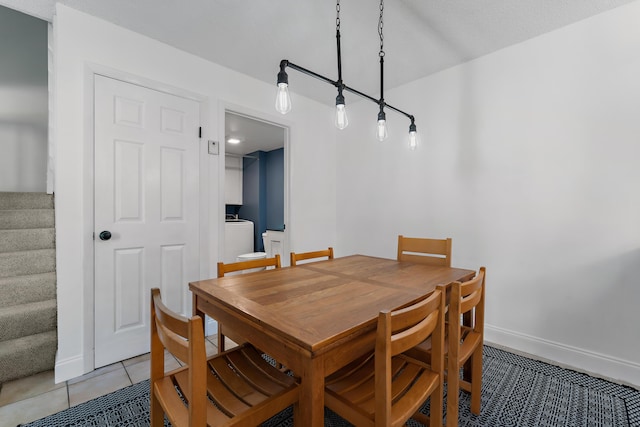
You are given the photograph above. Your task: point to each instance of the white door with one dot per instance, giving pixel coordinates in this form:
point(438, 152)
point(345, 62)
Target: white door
point(146, 197)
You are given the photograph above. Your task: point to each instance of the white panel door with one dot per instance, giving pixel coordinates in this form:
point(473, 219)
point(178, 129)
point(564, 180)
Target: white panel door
point(146, 197)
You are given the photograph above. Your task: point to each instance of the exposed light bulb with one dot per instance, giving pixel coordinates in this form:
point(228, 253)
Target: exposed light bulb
point(381, 130)
point(413, 135)
point(341, 117)
point(283, 101)
point(413, 140)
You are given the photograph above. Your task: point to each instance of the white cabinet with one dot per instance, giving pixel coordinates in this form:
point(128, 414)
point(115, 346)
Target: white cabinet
point(274, 244)
point(233, 180)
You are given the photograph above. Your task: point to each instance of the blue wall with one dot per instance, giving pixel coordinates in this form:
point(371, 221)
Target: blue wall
point(275, 189)
point(263, 192)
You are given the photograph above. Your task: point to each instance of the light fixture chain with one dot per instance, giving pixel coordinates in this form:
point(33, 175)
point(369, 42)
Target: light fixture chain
point(380, 27)
point(338, 15)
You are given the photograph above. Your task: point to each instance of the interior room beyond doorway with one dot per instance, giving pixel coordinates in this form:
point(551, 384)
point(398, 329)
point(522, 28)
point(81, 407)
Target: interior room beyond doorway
point(254, 186)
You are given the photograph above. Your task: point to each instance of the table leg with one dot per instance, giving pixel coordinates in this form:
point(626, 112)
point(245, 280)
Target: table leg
point(197, 312)
point(311, 405)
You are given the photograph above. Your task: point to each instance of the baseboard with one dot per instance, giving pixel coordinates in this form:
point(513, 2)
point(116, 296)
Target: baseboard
point(592, 363)
point(66, 369)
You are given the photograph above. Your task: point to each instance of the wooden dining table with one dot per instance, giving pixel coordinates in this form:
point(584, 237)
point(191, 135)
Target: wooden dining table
point(315, 318)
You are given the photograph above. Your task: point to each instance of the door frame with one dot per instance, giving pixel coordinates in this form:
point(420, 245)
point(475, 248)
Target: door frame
point(275, 120)
point(88, 193)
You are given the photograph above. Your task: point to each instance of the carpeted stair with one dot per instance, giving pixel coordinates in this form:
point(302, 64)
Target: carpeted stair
point(28, 311)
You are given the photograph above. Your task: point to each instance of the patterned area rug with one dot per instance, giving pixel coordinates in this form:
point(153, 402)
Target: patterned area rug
point(516, 391)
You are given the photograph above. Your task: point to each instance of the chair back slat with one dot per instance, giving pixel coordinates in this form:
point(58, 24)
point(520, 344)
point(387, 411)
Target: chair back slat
point(425, 251)
point(470, 301)
point(172, 321)
point(177, 346)
point(295, 257)
point(403, 341)
point(471, 292)
point(415, 323)
point(171, 329)
point(248, 265)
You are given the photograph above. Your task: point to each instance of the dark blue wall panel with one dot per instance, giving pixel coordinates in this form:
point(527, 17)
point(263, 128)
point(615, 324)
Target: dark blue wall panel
point(275, 190)
point(263, 192)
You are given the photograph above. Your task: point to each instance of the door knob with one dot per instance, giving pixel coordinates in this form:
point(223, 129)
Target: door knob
point(105, 235)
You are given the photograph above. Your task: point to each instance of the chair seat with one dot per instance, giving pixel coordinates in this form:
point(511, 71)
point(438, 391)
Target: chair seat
point(406, 372)
point(253, 380)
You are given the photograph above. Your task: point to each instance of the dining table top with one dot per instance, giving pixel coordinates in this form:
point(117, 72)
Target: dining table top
point(316, 304)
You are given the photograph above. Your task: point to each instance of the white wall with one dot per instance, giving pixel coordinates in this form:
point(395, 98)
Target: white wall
point(529, 161)
point(23, 102)
point(84, 44)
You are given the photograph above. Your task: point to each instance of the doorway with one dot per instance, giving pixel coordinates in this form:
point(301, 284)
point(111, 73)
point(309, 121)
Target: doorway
point(256, 186)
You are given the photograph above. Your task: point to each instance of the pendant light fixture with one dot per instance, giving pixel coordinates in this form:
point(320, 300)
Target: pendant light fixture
point(283, 101)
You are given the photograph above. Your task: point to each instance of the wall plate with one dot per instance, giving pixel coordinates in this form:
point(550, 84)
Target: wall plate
point(213, 147)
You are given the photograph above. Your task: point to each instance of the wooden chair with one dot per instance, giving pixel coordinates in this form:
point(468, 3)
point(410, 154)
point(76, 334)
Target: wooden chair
point(248, 265)
point(388, 387)
point(239, 266)
point(235, 388)
point(466, 301)
point(310, 255)
point(425, 251)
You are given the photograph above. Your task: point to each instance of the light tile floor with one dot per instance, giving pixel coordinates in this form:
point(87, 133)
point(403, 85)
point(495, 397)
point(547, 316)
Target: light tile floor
point(34, 397)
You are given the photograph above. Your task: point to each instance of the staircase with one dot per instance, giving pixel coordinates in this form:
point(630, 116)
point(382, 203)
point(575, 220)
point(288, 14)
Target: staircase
point(28, 337)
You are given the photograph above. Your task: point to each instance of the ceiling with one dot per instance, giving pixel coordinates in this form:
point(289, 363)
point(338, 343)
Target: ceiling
point(421, 37)
point(253, 134)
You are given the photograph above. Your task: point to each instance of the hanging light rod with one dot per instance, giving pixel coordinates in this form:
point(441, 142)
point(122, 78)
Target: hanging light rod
point(283, 78)
point(283, 101)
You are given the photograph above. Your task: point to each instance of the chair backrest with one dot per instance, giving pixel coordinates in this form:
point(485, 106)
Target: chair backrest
point(467, 299)
point(247, 265)
point(183, 338)
point(397, 332)
point(425, 251)
point(295, 257)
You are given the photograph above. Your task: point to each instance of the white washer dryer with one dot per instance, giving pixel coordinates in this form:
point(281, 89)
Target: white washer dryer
point(238, 239)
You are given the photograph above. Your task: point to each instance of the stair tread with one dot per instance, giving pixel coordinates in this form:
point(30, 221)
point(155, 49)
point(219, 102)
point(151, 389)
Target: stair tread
point(16, 219)
point(6, 346)
point(51, 274)
point(25, 356)
point(23, 263)
point(26, 200)
point(26, 239)
point(25, 229)
point(27, 319)
point(16, 290)
point(31, 250)
point(28, 307)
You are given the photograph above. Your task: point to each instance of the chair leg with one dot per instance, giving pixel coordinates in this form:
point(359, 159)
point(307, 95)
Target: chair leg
point(476, 380)
point(435, 414)
point(156, 413)
point(453, 387)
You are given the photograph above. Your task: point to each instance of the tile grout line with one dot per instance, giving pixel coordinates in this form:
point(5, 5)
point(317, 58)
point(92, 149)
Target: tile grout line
point(66, 385)
point(127, 372)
